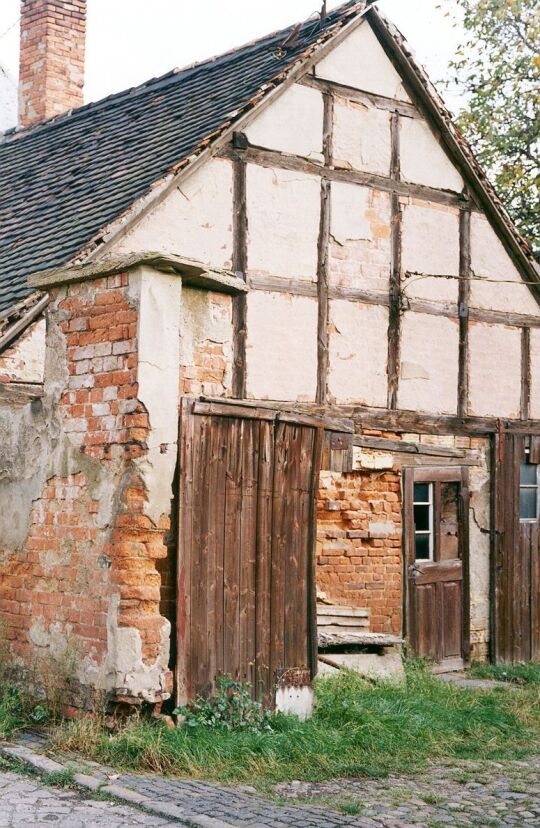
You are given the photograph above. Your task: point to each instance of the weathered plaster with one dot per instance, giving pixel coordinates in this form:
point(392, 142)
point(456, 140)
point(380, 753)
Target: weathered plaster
point(535, 373)
point(423, 160)
point(358, 353)
point(292, 124)
point(490, 259)
point(479, 551)
point(206, 343)
point(281, 346)
point(360, 255)
point(159, 297)
point(429, 364)
point(361, 139)
point(431, 246)
point(195, 220)
point(24, 361)
point(283, 210)
point(361, 62)
point(495, 370)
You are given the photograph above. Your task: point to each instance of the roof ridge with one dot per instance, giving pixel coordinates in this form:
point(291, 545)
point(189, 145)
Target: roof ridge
point(178, 74)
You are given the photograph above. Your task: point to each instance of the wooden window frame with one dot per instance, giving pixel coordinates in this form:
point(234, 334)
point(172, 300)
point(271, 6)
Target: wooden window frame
point(526, 461)
point(430, 531)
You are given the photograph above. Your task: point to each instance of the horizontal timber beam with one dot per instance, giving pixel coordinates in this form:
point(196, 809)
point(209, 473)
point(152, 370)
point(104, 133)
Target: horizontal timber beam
point(361, 96)
point(294, 163)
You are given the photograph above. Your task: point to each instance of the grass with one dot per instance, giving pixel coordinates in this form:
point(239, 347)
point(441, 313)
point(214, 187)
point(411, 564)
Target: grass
point(359, 729)
point(526, 674)
point(13, 714)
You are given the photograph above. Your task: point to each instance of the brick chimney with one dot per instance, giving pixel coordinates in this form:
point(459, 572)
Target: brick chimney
point(51, 76)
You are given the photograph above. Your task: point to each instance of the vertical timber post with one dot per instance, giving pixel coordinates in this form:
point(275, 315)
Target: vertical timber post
point(323, 254)
point(394, 319)
point(240, 263)
point(463, 305)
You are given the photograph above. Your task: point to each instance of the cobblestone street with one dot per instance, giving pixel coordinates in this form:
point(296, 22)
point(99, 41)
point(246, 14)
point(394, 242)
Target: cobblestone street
point(448, 794)
point(25, 801)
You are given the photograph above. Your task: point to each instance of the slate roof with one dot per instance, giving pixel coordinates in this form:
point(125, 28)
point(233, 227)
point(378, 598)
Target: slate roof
point(64, 180)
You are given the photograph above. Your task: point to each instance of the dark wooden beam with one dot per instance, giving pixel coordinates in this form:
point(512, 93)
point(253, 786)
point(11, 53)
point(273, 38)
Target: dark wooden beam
point(525, 373)
point(240, 263)
point(323, 257)
point(394, 297)
point(279, 160)
point(463, 306)
point(339, 90)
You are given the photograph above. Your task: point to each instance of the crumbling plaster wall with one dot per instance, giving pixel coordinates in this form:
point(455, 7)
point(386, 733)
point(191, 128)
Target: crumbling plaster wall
point(24, 361)
point(93, 487)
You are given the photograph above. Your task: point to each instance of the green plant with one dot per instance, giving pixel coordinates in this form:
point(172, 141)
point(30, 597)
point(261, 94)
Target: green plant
point(524, 673)
point(231, 708)
point(60, 779)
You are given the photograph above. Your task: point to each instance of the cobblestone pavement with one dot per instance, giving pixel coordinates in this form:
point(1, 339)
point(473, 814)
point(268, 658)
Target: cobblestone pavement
point(25, 801)
point(447, 794)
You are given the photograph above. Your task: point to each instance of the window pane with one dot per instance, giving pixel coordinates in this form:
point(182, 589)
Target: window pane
point(422, 547)
point(421, 518)
point(421, 492)
point(528, 474)
point(527, 504)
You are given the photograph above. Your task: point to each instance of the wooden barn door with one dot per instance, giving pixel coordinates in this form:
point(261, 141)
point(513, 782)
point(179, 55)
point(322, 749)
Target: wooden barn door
point(437, 543)
point(246, 584)
point(517, 562)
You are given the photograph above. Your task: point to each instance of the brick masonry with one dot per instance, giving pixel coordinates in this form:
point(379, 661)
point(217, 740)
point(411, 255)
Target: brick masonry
point(87, 569)
point(52, 58)
point(359, 557)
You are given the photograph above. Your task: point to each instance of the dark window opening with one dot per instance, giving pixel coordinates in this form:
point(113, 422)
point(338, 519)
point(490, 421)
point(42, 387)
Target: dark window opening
point(528, 492)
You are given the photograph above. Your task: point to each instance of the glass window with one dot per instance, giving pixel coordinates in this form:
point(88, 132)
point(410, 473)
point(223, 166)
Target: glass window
point(528, 491)
point(423, 521)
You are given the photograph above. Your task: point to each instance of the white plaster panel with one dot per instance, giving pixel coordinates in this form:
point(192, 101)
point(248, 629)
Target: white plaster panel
point(423, 160)
point(495, 370)
point(361, 138)
point(24, 361)
point(431, 245)
point(194, 220)
point(429, 364)
point(360, 61)
point(535, 373)
point(292, 124)
point(360, 253)
point(489, 258)
point(358, 353)
point(158, 338)
point(283, 218)
point(281, 348)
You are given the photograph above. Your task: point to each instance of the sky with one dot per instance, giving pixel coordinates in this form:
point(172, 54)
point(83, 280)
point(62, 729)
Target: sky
point(130, 41)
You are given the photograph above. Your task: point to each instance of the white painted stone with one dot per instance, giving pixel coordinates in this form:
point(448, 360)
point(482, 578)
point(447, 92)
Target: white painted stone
point(535, 373)
point(281, 349)
point(431, 246)
point(495, 370)
point(360, 254)
point(372, 460)
point(358, 353)
point(194, 220)
point(292, 124)
point(283, 210)
point(389, 665)
point(423, 160)
point(489, 258)
point(429, 364)
point(382, 527)
point(361, 137)
point(158, 337)
point(360, 61)
point(295, 701)
point(24, 361)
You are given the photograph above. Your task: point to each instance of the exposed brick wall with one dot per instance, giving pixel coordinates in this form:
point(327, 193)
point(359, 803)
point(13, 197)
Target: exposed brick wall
point(61, 582)
point(207, 344)
point(52, 58)
point(359, 556)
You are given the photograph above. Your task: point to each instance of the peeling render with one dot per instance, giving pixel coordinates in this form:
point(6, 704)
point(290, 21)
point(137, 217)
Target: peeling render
point(429, 364)
point(431, 245)
point(361, 137)
point(495, 370)
point(423, 160)
point(24, 360)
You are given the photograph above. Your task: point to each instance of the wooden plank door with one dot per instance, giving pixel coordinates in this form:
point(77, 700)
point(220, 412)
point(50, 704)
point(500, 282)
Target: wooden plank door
point(246, 589)
point(436, 545)
point(517, 558)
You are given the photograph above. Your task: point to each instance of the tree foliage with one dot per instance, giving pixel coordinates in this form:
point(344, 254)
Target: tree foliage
point(498, 66)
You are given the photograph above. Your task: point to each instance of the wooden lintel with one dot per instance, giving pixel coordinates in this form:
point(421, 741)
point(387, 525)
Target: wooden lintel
point(285, 411)
point(20, 393)
point(339, 90)
point(279, 160)
point(404, 447)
